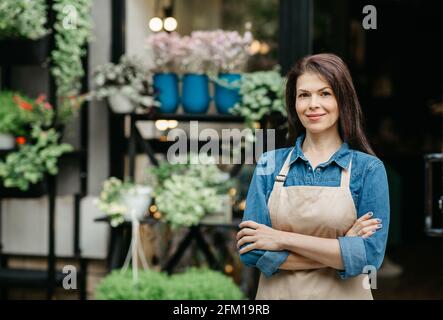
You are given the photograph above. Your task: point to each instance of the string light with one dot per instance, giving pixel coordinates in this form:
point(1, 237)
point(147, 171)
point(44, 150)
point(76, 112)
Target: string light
point(156, 24)
point(170, 24)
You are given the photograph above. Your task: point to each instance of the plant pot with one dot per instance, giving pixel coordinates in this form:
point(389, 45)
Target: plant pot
point(195, 96)
point(120, 103)
point(36, 190)
point(7, 141)
point(24, 51)
point(166, 87)
point(137, 200)
point(225, 98)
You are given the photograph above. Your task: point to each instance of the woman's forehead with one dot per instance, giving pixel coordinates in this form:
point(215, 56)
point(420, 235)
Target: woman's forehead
point(310, 81)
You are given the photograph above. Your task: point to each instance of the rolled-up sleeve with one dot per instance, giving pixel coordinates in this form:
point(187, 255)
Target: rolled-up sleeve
point(357, 252)
point(257, 210)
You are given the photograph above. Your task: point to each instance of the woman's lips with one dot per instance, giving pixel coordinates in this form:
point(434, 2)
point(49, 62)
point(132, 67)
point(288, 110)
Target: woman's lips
point(315, 117)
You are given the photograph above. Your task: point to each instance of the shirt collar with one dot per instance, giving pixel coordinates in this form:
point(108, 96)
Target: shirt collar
point(341, 157)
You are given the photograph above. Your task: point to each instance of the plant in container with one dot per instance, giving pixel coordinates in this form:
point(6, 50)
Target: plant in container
point(186, 193)
point(262, 93)
point(120, 200)
point(127, 85)
point(230, 52)
point(164, 49)
point(195, 62)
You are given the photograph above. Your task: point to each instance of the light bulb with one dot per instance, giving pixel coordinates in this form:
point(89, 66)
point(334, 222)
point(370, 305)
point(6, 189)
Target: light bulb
point(156, 24)
point(170, 24)
point(255, 47)
point(161, 125)
point(264, 48)
point(172, 124)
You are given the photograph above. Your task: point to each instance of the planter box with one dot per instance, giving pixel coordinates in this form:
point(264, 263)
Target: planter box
point(35, 191)
point(24, 51)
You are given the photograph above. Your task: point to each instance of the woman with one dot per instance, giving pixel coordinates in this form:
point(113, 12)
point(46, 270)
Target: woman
point(317, 213)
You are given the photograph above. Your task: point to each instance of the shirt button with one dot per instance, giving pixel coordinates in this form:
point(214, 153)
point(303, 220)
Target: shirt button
point(318, 169)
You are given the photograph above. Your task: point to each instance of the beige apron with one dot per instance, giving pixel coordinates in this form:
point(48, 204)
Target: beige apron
point(326, 212)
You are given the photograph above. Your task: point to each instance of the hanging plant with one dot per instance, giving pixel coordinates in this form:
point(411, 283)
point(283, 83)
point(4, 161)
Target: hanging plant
point(23, 19)
point(73, 30)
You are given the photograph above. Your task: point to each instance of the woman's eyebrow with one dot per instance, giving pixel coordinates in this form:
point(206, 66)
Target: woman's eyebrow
point(304, 90)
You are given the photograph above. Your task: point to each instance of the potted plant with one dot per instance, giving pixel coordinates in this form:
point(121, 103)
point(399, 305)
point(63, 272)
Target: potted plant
point(34, 158)
point(164, 49)
point(38, 143)
point(23, 34)
point(230, 52)
point(18, 113)
point(193, 284)
point(127, 85)
point(122, 201)
point(195, 63)
point(186, 193)
point(262, 94)
point(10, 121)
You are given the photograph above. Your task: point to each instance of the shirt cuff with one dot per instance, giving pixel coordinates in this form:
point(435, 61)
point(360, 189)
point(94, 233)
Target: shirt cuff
point(271, 261)
point(353, 254)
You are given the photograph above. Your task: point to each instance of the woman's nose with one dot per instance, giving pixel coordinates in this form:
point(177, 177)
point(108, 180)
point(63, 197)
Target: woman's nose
point(314, 103)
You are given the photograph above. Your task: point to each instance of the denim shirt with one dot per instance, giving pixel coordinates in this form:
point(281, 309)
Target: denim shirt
point(369, 189)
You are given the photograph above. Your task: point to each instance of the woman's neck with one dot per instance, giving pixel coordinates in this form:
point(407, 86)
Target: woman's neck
point(319, 147)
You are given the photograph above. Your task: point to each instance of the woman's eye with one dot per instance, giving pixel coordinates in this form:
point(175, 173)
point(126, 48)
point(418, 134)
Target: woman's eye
point(325, 93)
point(302, 95)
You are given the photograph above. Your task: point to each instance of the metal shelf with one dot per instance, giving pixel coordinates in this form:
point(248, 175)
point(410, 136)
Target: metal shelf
point(223, 118)
point(28, 278)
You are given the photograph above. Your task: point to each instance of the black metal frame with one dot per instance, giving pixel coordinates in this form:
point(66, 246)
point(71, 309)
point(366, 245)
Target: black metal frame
point(296, 31)
point(51, 278)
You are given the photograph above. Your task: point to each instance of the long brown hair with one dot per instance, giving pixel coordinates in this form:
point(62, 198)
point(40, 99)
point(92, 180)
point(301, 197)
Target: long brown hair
point(336, 73)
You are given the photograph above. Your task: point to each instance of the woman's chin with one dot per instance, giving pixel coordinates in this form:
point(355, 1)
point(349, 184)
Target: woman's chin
point(316, 129)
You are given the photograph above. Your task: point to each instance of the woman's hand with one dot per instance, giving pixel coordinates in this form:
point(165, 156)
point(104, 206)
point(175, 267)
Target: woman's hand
point(259, 236)
point(364, 226)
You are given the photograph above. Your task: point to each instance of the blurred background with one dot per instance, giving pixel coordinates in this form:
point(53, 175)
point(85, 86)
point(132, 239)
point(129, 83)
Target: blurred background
point(397, 68)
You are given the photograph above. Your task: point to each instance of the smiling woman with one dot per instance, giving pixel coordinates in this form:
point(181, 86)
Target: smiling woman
point(314, 234)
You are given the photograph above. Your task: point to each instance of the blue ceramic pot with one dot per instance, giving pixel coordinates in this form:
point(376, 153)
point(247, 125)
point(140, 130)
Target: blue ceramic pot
point(195, 93)
point(225, 98)
point(166, 86)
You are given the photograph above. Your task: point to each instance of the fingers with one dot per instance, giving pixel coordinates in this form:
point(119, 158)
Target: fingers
point(245, 232)
point(369, 230)
point(365, 216)
point(368, 223)
point(247, 248)
point(249, 224)
point(244, 240)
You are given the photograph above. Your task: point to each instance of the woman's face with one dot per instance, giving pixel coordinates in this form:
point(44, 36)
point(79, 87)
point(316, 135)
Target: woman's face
point(316, 105)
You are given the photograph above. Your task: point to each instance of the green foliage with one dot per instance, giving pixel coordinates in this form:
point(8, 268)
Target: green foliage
point(262, 93)
point(18, 113)
point(29, 164)
point(23, 19)
point(130, 77)
point(194, 284)
point(185, 193)
point(110, 202)
point(11, 121)
point(69, 49)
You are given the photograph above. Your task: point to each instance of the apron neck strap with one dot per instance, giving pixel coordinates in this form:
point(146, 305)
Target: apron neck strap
point(281, 177)
point(346, 175)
